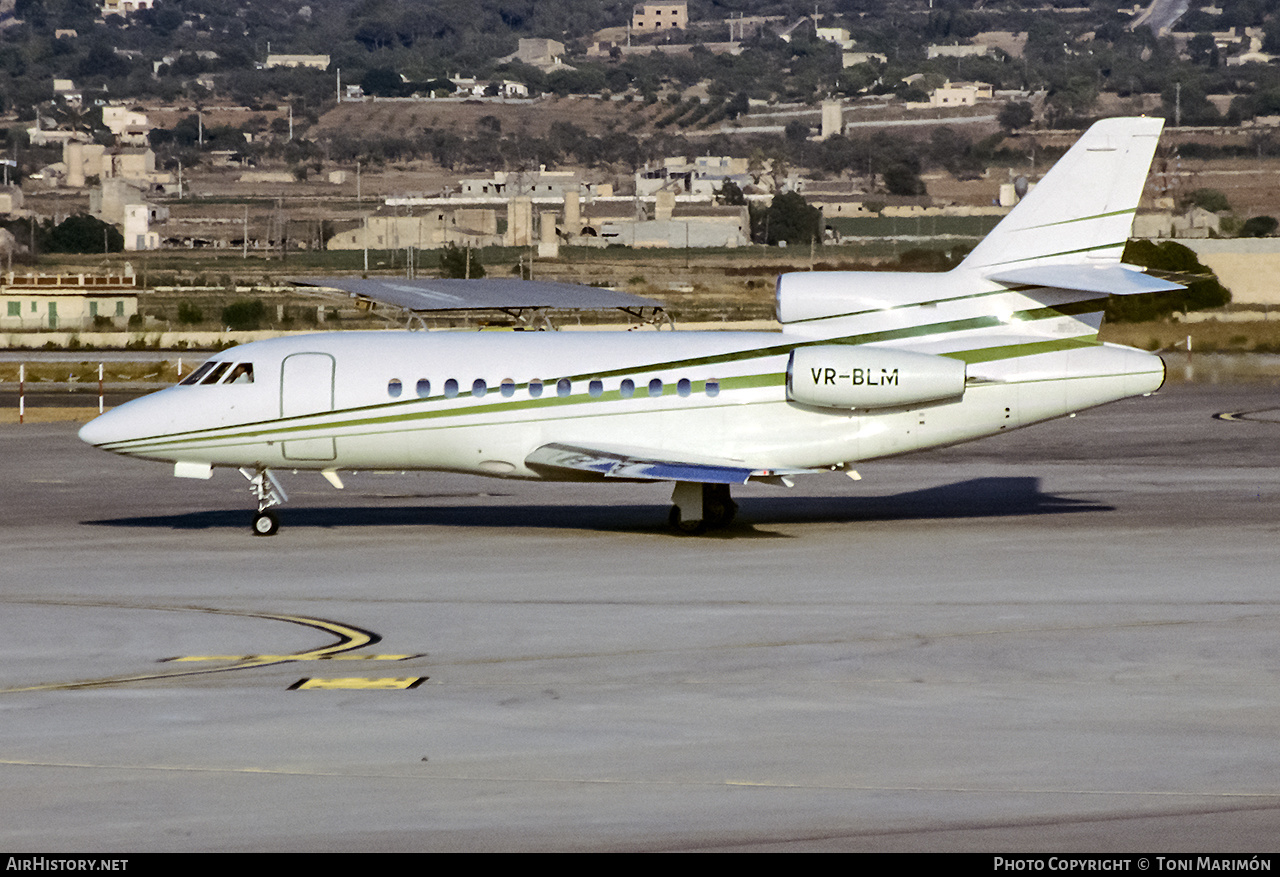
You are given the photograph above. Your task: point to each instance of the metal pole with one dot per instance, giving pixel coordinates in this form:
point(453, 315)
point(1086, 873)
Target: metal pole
point(99, 388)
point(22, 391)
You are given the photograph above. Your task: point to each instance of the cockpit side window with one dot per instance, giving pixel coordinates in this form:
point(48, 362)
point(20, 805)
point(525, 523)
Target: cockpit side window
point(195, 376)
point(216, 373)
point(241, 374)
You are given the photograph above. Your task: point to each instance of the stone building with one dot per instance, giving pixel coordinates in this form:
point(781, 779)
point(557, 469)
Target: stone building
point(651, 17)
point(66, 301)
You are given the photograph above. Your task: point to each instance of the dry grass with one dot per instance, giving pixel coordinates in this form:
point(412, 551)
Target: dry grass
point(1207, 337)
point(86, 371)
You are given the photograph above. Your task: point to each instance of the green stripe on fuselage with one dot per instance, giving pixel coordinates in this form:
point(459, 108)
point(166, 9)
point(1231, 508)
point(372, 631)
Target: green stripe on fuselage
point(388, 413)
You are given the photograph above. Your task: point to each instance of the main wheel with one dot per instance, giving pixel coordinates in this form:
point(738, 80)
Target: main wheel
point(718, 507)
point(719, 514)
point(265, 524)
point(691, 528)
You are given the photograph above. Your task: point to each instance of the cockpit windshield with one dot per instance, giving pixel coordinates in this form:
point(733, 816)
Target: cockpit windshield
point(195, 376)
point(213, 371)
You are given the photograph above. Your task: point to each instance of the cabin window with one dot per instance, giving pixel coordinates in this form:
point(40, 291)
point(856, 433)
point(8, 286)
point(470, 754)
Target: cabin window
point(450, 389)
point(683, 387)
point(195, 376)
point(241, 374)
point(564, 387)
point(216, 373)
point(713, 387)
point(655, 387)
point(15, 309)
point(394, 388)
point(424, 388)
point(535, 388)
point(508, 387)
point(479, 388)
point(595, 389)
point(627, 388)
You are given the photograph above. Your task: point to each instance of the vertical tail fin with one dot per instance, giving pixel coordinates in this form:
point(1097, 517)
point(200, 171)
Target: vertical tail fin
point(1082, 211)
point(1045, 271)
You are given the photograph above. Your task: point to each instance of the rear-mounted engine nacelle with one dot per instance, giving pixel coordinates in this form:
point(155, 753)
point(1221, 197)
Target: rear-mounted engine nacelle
point(838, 376)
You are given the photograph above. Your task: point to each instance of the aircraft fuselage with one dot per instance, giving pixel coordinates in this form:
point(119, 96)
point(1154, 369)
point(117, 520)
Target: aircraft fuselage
point(482, 402)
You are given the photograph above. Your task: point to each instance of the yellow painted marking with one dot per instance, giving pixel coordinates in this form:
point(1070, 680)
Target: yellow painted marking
point(349, 639)
point(1261, 415)
point(303, 657)
point(359, 684)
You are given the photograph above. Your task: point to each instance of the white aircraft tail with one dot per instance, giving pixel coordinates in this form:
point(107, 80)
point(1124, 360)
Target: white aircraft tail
point(1047, 268)
point(1082, 211)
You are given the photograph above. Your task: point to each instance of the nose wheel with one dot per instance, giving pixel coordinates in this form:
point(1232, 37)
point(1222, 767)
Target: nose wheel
point(268, 492)
point(266, 523)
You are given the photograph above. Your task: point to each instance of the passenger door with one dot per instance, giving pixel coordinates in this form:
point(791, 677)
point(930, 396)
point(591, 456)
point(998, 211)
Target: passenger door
point(306, 387)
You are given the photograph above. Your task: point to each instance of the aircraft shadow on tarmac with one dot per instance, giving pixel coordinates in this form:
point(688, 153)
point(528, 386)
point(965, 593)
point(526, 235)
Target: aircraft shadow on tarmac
point(974, 498)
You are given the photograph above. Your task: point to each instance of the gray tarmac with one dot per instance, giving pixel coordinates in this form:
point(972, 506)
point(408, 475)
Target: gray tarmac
point(1061, 639)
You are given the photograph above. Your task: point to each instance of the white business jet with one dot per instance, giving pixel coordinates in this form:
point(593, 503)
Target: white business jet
point(867, 365)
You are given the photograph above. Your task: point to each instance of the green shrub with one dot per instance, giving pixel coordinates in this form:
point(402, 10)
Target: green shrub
point(244, 315)
point(189, 314)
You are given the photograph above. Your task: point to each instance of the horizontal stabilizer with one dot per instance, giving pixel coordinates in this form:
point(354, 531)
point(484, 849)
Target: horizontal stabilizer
point(1107, 279)
point(638, 465)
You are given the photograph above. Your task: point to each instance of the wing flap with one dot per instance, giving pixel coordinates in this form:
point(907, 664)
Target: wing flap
point(643, 465)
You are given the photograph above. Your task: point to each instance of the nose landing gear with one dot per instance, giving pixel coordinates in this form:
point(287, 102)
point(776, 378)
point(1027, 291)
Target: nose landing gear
point(268, 492)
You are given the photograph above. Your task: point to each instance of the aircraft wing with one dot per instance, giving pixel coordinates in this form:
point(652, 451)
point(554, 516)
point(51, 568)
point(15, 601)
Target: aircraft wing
point(639, 465)
point(432, 294)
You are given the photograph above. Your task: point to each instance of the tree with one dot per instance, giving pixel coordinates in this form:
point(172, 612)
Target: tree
point(901, 179)
point(790, 218)
point(1259, 227)
point(1015, 115)
point(84, 234)
point(189, 314)
point(1203, 50)
point(383, 82)
point(1201, 294)
point(730, 194)
point(1212, 200)
point(796, 131)
point(460, 263)
point(738, 105)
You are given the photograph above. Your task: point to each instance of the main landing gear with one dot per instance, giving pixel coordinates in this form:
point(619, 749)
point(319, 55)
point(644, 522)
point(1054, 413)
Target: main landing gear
point(701, 507)
point(268, 492)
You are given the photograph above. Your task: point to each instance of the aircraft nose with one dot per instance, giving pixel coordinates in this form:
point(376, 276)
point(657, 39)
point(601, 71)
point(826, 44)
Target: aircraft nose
point(106, 428)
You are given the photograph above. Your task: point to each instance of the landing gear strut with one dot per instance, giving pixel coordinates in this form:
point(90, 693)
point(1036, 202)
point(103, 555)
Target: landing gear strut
point(701, 507)
point(268, 492)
